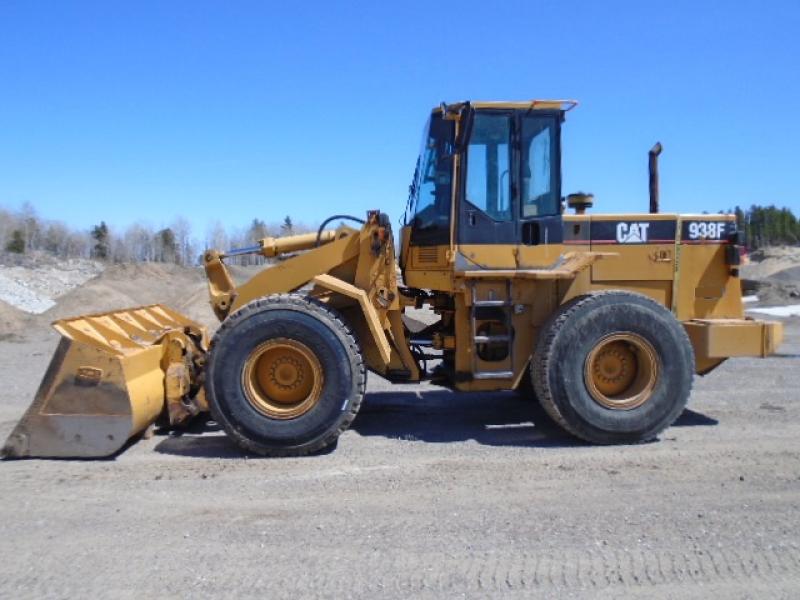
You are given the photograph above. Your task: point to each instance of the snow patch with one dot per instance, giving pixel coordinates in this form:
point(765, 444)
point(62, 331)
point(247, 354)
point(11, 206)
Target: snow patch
point(793, 310)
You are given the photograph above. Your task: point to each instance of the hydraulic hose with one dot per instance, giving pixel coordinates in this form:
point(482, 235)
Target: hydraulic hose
point(335, 218)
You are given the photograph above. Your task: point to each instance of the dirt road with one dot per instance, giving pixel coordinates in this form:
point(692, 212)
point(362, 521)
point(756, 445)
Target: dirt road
point(430, 494)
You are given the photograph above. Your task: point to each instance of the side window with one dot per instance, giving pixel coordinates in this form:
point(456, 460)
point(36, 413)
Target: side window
point(489, 166)
point(539, 167)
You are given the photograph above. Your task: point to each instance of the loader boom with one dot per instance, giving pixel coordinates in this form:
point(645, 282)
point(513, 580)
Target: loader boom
point(353, 270)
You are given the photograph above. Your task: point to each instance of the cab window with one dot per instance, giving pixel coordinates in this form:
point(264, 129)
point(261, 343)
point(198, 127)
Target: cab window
point(488, 178)
point(539, 157)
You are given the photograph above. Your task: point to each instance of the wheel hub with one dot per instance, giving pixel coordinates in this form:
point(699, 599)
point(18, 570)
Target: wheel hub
point(614, 368)
point(287, 373)
point(621, 371)
point(282, 378)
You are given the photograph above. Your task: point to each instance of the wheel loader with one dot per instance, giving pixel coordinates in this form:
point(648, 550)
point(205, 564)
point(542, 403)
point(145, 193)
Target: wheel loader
point(603, 318)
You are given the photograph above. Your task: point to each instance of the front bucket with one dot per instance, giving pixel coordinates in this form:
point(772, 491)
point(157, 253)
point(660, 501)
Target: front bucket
point(105, 383)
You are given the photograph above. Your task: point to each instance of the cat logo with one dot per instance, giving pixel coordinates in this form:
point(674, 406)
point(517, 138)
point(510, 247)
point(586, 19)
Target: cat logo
point(632, 233)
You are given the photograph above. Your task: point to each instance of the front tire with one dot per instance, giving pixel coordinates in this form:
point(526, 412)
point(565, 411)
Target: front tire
point(613, 368)
point(285, 376)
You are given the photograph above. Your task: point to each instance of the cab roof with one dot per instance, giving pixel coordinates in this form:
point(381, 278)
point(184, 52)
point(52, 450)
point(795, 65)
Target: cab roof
point(562, 105)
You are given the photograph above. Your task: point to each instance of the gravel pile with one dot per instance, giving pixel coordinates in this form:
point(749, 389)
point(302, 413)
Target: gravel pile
point(35, 289)
point(766, 262)
point(774, 275)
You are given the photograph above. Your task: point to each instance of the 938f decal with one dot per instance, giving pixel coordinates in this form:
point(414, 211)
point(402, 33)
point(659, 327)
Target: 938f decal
point(707, 231)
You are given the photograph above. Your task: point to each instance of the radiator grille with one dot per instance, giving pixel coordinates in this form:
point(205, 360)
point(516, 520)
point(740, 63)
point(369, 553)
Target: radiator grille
point(428, 255)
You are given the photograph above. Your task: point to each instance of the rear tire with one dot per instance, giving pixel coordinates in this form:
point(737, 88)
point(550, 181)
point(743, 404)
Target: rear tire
point(613, 368)
point(285, 376)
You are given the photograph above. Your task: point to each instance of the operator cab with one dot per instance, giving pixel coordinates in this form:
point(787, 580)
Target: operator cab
point(488, 173)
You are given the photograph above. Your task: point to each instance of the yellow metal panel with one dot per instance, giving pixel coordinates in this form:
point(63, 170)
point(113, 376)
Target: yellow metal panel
point(370, 314)
point(540, 255)
point(491, 256)
point(637, 263)
point(430, 280)
point(566, 268)
point(722, 338)
point(706, 287)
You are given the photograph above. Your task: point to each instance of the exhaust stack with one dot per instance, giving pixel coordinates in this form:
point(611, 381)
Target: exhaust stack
point(653, 167)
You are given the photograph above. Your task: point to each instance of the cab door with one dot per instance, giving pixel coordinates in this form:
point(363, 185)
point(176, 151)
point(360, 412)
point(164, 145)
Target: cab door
point(487, 227)
point(509, 213)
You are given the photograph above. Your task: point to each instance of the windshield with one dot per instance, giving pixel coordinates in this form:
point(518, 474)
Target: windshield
point(430, 192)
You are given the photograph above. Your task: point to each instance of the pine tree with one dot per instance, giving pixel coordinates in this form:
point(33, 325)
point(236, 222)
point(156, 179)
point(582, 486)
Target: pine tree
point(288, 227)
point(17, 242)
point(101, 241)
point(167, 246)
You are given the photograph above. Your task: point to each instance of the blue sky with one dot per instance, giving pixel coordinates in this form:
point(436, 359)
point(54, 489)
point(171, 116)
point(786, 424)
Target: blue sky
point(143, 111)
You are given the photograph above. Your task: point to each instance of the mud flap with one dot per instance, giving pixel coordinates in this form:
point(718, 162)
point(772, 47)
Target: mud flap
point(112, 376)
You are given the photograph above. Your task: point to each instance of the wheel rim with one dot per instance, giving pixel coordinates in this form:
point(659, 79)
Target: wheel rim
point(621, 371)
point(282, 379)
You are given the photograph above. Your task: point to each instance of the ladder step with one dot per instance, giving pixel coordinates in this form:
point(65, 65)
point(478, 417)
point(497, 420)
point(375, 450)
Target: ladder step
point(490, 339)
point(493, 375)
point(492, 303)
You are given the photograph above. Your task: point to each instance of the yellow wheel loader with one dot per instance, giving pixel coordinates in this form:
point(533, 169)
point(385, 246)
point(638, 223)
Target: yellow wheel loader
point(605, 319)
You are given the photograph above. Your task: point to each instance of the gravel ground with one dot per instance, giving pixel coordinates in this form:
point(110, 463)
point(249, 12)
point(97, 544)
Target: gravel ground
point(429, 495)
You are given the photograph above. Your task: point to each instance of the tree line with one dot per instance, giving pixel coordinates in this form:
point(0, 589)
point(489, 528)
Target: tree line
point(24, 232)
point(768, 226)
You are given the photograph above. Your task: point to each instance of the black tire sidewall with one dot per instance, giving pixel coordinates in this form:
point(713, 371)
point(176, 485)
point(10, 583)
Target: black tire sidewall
point(230, 354)
point(578, 335)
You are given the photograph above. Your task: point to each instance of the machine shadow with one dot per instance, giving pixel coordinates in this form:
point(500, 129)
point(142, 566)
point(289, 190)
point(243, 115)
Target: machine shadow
point(690, 418)
point(436, 416)
point(441, 416)
point(492, 419)
point(202, 438)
